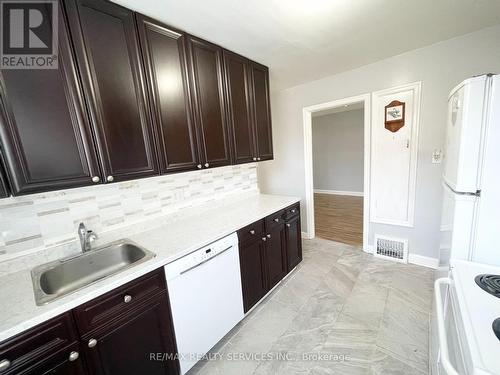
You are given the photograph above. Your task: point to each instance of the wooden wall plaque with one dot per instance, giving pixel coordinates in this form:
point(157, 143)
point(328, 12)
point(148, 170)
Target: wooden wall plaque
point(394, 115)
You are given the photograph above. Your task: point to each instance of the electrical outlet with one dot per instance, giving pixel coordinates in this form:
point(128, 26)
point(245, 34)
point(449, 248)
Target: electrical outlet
point(437, 157)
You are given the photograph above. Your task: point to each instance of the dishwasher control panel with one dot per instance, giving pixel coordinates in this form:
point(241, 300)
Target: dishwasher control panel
point(200, 256)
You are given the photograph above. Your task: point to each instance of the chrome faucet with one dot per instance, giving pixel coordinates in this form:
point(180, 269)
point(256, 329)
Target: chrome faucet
point(86, 237)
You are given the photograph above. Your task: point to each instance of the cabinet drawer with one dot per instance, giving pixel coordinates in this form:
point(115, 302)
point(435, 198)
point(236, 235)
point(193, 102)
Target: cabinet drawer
point(275, 220)
point(119, 301)
point(28, 349)
point(254, 230)
point(292, 211)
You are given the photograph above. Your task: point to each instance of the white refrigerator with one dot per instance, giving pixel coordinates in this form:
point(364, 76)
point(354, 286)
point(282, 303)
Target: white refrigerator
point(470, 220)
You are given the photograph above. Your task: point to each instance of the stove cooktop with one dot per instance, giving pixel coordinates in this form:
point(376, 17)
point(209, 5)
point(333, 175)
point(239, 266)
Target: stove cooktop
point(489, 283)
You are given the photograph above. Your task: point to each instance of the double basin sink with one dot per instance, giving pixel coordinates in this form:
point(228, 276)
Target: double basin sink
point(56, 279)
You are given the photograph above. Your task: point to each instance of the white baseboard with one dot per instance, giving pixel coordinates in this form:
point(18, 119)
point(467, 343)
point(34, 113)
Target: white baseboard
point(416, 259)
point(423, 261)
point(306, 236)
point(340, 192)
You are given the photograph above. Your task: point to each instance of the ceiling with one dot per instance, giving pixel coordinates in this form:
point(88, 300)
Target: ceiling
point(304, 40)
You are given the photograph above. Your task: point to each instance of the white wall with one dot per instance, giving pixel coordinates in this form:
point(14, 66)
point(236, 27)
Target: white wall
point(440, 67)
point(338, 151)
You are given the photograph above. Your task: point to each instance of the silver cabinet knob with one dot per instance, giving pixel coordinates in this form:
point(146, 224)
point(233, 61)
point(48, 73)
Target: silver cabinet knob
point(268, 236)
point(92, 343)
point(96, 179)
point(277, 220)
point(254, 159)
point(288, 225)
point(207, 165)
point(4, 364)
point(294, 210)
point(73, 356)
point(127, 298)
point(258, 159)
point(251, 231)
point(110, 178)
point(264, 239)
point(199, 166)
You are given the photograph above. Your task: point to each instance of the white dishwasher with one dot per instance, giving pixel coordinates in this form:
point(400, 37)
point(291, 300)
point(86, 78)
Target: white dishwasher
point(205, 298)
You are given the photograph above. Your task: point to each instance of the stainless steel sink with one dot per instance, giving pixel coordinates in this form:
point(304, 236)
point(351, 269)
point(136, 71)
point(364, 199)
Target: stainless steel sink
point(56, 279)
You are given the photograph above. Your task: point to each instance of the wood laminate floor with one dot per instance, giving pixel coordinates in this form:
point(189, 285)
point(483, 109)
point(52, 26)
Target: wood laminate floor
point(339, 218)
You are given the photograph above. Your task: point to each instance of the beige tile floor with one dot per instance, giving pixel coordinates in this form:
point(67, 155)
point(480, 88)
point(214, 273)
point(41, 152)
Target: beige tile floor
point(340, 312)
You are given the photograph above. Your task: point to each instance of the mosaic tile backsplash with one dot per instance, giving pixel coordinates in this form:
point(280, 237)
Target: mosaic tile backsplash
point(39, 221)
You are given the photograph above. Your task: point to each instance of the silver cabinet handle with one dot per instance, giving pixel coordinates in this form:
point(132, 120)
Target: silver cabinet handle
point(96, 179)
point(264, 239)
point(268, 236)
point(110, 178)
point(92, 343)
point(199, 166)
point(127, 298)
point(258, 159)
point(251, 231)
point(254, 159)
point(73, 356)
point(4, 364)
point(277, 220)
point(293, 211)
point(207, 165)
point(288, 225)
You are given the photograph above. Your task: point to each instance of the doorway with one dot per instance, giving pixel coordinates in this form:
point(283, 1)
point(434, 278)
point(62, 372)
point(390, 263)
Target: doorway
point(337, 164)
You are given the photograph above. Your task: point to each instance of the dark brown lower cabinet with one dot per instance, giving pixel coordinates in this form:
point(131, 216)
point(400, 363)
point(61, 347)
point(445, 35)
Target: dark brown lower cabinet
point(61, 364)
point(293, 242)
point(276, 255)
point(4, 185)
point(49, 348)
point(269, 249)
point(253, 272)
point(128, 330)
point(137, 343)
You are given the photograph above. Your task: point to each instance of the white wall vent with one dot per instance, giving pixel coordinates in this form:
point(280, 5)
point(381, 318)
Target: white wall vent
point(395, 249)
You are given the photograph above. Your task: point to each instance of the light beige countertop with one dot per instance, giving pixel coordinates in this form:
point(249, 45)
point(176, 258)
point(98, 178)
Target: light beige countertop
point(168, 237)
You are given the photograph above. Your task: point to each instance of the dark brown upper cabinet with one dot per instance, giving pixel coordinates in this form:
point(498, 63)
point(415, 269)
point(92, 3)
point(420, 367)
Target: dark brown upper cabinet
point(45, 132)
point(239, 107)
point(106, 44)
point(248, 108)
point(208, 92)
point(164, 54)
point(261, 111)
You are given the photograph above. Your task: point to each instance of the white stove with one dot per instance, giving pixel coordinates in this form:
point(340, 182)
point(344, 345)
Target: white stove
point(467, 342)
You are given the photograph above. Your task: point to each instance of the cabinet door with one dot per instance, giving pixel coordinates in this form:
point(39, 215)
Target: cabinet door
point(130, 345)
point(253, 276)
point(293, 242)
point(62, 363)
point(45, 132)
point(276, 262)
point(106, 42)
point(49, 348)
point(4, 185)
point(164, 53)
point(237, 75)
point(207, 81)
point(262, 111)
